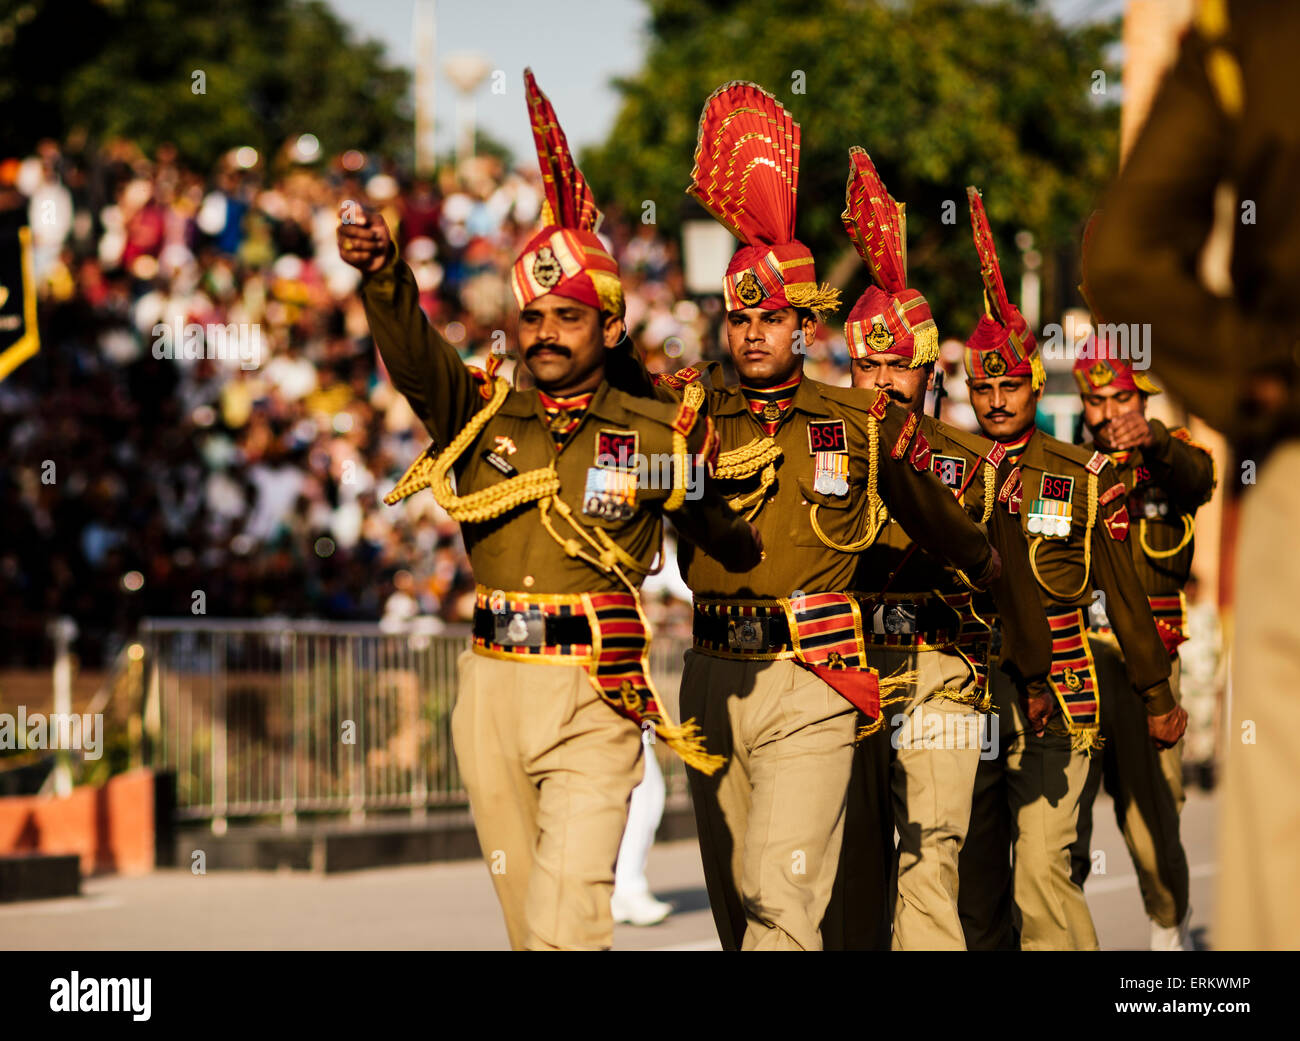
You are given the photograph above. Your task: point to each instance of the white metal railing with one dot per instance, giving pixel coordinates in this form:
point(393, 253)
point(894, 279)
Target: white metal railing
point(278, 718)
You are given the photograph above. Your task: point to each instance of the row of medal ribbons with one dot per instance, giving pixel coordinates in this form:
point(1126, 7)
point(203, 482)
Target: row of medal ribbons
point(832, 473)
point(1049, 517)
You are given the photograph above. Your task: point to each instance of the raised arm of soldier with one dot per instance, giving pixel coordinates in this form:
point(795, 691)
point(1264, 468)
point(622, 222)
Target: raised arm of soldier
point(924, 506)
point(422, 365)
point(1183, 469)
point(1145, 656)
point(434, 379)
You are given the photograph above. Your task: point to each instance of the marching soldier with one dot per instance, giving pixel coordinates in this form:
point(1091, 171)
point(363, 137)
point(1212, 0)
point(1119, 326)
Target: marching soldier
point(777, 667)
point(1226, 112)
point(919, 616)
point(562, 518)
point(1168, 477)
point(1074, 513)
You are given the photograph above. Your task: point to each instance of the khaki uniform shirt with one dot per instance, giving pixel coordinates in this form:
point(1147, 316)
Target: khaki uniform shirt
point(961, 461)
point(1071, 555)
point(824, 422)
point(1167, 483)
point(514, 551)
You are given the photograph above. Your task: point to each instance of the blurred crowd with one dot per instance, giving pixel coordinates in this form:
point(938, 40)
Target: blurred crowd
point(156, 478)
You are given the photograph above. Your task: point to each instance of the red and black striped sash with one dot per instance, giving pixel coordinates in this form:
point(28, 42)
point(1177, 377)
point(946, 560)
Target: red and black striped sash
point(1074, 675)
point(1171, 619)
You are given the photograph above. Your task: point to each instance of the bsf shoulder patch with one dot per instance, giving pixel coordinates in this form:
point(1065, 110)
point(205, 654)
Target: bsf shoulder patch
point(827, 435)
point(1010, 495)
point(617, 449)
point(880, 406)
point(1111, 494)
point(920, 457)
point(1095, 464)
point(1058, 487)
point(905, 438)
point(677, 380)
point(950, 469)
point(689, 411)
point(685, 419)
point(1117, 524)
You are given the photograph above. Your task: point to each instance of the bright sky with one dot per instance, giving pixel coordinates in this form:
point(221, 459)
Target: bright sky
point(575, 48)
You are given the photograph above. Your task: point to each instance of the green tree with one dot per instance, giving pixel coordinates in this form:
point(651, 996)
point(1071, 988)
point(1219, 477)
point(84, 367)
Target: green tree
point(941, 93)
point(270, 70)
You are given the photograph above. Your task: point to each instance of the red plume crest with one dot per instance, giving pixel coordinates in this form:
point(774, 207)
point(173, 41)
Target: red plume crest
point(876, 223)
point(747, 164)
point(567, 194)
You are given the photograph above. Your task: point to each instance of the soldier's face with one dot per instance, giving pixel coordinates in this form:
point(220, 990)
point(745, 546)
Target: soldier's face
point(564, 343)
point(768, 347)
point(892, 374)
point(1004, 405)
point(1107, 403)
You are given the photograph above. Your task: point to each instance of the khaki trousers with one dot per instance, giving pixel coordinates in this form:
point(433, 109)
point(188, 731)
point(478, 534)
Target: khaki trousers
point(1146, 786)
point(1026, 800)
point(936, 752)
point(1257, 904)
point(931, 751)
point(860, 915)
point(549, 768)
point(771, 821)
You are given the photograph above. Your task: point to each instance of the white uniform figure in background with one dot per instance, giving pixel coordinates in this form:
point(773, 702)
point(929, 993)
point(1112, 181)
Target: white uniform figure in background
point(632, 901)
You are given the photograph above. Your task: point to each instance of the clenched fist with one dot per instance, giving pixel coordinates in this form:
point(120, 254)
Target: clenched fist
point(364, 241)
point(1166, 730)
point(1129, 431)
point(1039, 709)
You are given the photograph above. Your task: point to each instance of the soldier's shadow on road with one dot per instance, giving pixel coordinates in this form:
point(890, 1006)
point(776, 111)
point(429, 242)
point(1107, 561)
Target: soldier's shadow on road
point(685, 900)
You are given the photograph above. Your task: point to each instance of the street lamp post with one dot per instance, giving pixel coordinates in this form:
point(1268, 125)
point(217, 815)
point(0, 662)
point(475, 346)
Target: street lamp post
point(467, 71)
point(706, 250)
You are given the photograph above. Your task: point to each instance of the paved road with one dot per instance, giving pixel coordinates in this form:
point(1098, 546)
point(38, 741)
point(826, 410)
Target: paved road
point(453, 906)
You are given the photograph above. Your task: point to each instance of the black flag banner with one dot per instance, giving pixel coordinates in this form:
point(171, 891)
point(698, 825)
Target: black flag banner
point(19, 339)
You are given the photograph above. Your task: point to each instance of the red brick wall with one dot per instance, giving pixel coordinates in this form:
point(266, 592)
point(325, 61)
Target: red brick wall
point(110, 827)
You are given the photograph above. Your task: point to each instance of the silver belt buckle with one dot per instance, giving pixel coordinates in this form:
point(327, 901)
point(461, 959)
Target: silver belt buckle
point(747, 634)
point(894, 619)
point(520, 628)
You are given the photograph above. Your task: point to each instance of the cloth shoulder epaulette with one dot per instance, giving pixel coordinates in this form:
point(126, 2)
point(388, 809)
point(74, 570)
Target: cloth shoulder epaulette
point(1184, 435)
point(690, 374)
point(1081, 455)
point(678, 416)
point(980, 447)
point(874, 402)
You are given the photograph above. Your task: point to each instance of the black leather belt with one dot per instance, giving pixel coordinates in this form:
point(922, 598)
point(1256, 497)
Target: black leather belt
point(906, 617)
point(560, 630)
point(766, 634)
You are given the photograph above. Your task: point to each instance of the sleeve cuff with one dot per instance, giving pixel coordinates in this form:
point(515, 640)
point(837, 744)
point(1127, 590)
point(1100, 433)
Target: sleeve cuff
point(1159, 699)
point(1160, 440)
point(383, 283)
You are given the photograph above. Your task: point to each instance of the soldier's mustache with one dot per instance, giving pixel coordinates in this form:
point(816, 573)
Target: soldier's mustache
point(539, 347)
